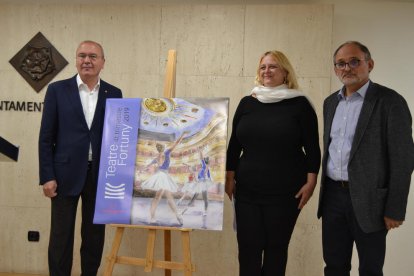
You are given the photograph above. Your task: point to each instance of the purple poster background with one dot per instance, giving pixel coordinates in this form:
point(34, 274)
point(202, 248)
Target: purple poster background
point(117, 164)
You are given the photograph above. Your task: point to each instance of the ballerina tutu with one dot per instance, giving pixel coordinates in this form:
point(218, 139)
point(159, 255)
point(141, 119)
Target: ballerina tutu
point(161, 180)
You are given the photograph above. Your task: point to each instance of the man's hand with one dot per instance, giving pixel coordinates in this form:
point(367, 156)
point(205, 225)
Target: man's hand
point(391, 223)
point(49, 188)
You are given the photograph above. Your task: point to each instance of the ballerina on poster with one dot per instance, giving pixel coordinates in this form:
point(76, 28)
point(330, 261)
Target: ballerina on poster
point(161, 182)
point(198, 186)
point(180, 141)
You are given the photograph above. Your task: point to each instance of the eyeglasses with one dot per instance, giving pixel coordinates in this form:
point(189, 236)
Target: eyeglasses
point(352, 64)
point(92, 57)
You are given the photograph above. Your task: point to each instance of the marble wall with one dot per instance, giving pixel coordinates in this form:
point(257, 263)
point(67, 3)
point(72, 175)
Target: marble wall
point(218, 47)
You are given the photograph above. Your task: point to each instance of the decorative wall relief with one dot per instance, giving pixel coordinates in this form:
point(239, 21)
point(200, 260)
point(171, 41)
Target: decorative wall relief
point(38, 62)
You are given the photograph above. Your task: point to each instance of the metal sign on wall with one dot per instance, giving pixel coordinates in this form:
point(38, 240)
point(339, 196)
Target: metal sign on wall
point(38, 62)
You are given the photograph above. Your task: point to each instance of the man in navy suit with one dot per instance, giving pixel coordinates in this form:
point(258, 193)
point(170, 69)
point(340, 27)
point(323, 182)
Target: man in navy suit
point(367, 165)
point(69, 152)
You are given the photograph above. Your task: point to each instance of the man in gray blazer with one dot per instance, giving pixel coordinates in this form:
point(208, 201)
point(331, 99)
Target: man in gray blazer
point(367, 164)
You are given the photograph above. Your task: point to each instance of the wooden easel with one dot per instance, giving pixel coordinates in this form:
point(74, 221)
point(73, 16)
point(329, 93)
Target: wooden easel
point(148, 262)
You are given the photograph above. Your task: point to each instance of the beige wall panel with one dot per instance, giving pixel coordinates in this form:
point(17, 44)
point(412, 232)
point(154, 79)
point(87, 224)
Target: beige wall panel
point(24, 21)
point(316, 89)
point(20, 128)
point(302, 32)
point(215, 253)
point(18, 254)
point(135, 85)
point(130, 35)
point(210, 86)
point(217, 51)
point(208, 38)
point(305, 250)
point(132, 38)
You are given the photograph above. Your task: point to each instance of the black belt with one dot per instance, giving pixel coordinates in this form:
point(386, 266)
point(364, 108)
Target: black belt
point(340, 183)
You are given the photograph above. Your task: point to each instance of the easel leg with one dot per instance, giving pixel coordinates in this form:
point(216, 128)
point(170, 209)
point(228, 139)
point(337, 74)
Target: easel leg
point(149, 261)
point(167, 249)
point(185, 235)
point(169, 92)
point(114, 251)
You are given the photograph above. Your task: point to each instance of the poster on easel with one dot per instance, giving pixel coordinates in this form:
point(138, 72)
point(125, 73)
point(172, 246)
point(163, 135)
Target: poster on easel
point(163, 162)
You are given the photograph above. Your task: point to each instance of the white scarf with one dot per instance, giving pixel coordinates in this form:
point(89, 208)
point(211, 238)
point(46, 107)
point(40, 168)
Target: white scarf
point(275, 94)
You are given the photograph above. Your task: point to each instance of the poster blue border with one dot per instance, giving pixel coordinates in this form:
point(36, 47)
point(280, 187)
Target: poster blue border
point(118, 154)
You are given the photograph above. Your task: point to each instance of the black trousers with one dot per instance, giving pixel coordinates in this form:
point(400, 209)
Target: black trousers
point(340, 230)
point(60, 253)
point(263, 235)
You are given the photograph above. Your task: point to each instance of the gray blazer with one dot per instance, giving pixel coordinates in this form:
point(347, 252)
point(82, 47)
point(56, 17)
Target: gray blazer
point(381, 159)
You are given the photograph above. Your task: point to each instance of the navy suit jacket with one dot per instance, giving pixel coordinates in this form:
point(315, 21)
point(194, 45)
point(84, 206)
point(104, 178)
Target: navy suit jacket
point(64, 137)
point(381, 159)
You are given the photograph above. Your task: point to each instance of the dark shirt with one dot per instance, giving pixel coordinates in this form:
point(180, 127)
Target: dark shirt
point(272, 148)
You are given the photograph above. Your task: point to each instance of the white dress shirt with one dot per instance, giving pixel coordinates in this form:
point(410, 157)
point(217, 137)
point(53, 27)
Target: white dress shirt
point(89, 99)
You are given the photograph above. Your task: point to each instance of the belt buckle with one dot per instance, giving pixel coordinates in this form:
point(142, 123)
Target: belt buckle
point(344, 184)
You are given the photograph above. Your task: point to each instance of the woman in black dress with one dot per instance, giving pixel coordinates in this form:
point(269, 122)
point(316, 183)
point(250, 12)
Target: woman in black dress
point(273, 160)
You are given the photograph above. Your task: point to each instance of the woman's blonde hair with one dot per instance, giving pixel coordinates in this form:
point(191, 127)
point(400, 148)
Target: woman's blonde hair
point(284, 63)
